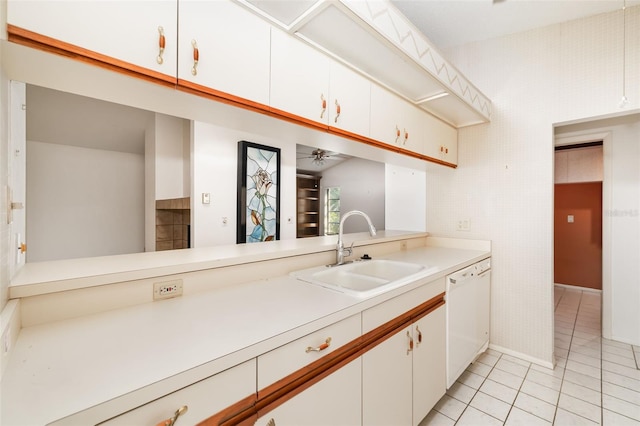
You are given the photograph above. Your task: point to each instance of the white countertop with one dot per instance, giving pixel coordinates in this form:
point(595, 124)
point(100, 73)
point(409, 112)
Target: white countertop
point(129, 356)
point(59, 275)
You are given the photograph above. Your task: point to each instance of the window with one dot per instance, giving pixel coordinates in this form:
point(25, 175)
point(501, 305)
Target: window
point(332, 211)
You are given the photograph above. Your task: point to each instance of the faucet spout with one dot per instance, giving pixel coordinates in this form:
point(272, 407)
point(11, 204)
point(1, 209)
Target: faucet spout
point(341, 251)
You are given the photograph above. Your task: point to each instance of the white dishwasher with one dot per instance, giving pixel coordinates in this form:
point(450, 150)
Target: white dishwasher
point(468, 301)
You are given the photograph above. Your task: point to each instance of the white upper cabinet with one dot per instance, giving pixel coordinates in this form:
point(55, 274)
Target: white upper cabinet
point(395, 121)
point(350, 96)
point(440, 140)
point(299, 78)
point(224, 47)
point(130, 31)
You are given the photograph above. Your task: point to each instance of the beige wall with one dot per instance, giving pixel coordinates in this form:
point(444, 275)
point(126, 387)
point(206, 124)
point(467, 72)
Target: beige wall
point(504, 182)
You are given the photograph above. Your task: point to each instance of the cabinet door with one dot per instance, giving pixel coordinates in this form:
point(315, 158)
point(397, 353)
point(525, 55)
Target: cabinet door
point(335, 400)
point(350, 97)
point(440, 140)
point(232, 49)
point(429, 375)
point(203, 399)
point(386, 382)
point(395, 121)
point(125, 30)
point(299, 78)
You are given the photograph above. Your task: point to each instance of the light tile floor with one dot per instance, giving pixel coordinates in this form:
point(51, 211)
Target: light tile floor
point(596, 381)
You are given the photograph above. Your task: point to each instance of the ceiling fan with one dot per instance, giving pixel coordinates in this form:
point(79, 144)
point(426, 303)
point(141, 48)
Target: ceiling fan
point(318, 156)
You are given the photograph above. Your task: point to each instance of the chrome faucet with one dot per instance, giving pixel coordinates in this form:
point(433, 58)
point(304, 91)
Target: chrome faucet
point(341, 250)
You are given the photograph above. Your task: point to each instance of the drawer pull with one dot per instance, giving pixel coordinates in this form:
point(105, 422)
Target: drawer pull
point(172, 421)
point(323, 104)
point(322, 347)
point(196, 57)
point(410, 348)
point(337, 111)
point(161, 45)
point(419, 336)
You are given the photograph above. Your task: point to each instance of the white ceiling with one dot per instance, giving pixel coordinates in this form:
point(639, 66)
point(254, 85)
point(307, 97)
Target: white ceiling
point(67, 119)
point(450, 23)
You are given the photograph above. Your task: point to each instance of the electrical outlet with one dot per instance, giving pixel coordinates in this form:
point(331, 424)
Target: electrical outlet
point(167, 289)
point(463, 225)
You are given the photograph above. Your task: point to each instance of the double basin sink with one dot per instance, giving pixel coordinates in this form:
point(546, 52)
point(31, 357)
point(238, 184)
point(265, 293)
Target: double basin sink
point(363, 278)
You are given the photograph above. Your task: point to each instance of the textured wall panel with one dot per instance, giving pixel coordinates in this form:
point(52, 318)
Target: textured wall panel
point(504, 181)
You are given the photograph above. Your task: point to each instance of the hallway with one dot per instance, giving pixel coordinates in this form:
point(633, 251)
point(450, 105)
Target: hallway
point(596, 381)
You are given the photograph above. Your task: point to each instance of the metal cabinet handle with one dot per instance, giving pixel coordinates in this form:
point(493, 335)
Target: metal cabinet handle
point(406, 137)
point(322, 347)
point(323, 105)
point(397, 133)
point(196, 57)
point(271, 422)
point(161, 44)
point(419, 336)
point(337, 111)
point(22, 248)
point(172, 421)
point(410, 348)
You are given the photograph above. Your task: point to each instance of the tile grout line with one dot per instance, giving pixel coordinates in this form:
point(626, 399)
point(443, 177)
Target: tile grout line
point(564, 371)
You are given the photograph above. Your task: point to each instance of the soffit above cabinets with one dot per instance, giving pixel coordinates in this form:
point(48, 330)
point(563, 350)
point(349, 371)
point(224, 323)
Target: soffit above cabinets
point(373, 37)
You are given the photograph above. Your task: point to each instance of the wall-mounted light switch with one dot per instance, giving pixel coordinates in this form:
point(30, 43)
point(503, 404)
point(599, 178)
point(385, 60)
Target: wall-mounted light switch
point(206, 198)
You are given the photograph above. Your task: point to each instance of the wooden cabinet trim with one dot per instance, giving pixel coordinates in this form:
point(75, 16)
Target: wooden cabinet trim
point(288, 387)
point(41, 42)
point(37, 41)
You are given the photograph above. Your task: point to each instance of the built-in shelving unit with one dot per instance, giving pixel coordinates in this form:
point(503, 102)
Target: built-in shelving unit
point(308, 206)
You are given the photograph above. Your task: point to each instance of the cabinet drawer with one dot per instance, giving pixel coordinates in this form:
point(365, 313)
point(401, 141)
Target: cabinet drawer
point(203, 399)
point(286, 359)
point(380, 314)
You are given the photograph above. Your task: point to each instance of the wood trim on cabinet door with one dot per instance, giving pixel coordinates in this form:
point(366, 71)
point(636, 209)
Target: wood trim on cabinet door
point(218, 96)
point(394, 148)
point(41, 42)
point(241, 413)
point(288, 387)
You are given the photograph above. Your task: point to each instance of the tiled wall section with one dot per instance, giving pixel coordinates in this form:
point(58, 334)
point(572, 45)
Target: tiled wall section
point(504, 181)
point(173, 218)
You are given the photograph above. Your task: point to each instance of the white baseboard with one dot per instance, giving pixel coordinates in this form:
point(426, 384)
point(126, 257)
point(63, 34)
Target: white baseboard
point(577, 287)
point(525, 357)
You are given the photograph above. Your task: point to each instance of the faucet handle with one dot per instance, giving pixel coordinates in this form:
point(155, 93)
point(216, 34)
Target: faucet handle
point(349, 250)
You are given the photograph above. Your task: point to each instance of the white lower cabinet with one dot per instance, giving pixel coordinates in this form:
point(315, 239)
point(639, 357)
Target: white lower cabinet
point(386, 382)
point(404, 377)
point(284, 360)
point(335, 400)
point(429, 358)
point(203, 399)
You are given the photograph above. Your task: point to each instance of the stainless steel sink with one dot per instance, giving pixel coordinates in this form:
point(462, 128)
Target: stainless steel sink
point(363, 278)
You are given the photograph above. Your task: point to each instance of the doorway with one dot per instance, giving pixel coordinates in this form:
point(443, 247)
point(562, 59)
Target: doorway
point(578, 215)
